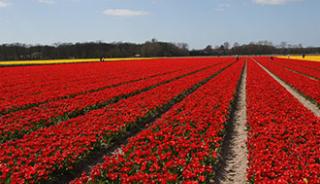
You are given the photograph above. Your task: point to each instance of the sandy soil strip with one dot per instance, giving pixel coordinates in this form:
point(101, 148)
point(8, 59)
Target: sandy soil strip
point(235, 163)
point(305, 102)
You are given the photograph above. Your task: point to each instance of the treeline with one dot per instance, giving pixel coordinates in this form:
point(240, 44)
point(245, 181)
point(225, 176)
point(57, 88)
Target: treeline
point(255, 48)
point(153, 48)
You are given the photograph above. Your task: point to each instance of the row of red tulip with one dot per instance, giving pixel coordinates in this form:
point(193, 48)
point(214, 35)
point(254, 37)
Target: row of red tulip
point(284, 137)
point(182, 146)
point(306, 86)
point(16, 124)
point(300, 67)
point(36, 156)
point(52, 82)
point(302, 63)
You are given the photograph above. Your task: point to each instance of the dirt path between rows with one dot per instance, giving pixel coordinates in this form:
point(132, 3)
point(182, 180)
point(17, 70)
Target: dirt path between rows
point(235, 161)
point(304, 101)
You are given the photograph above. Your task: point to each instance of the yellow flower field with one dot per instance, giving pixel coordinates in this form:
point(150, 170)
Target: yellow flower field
point(63, 61)
point(307, 57)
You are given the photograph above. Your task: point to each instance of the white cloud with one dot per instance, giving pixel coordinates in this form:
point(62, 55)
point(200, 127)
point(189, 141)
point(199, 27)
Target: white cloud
point(4, 3)
point(274, 2)
point(46, 1)
point(124, 12)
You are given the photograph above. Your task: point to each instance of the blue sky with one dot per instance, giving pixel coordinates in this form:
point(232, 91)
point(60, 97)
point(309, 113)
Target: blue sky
point(196, 22)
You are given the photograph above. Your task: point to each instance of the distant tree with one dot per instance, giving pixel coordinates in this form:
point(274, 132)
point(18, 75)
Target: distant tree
point(226, 45)
point(283, 45)
point(208, 48)
point(153, 40)
point(183, 46)
point(236, 44)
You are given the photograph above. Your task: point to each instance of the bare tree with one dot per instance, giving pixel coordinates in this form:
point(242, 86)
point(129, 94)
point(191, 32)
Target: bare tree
point(226, 45)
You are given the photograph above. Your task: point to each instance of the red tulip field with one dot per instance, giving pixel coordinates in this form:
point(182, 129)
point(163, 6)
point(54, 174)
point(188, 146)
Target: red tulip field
point(166, 120)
